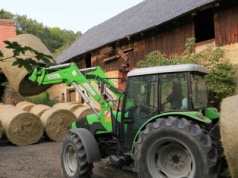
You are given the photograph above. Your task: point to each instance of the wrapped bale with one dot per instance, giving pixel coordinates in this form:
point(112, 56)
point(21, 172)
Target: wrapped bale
point(83, 112)
point(16, 76)
point(56, 123)
point(229, 131)
point(69, 106)
point(39, 109)
point(25, 106)
point(20, 127)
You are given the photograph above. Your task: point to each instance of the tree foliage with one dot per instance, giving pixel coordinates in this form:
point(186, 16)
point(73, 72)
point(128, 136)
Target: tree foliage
point(28, 63)
point(221, 79)
point(55, 39)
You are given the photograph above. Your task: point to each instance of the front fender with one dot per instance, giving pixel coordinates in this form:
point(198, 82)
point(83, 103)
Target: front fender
point(89, 143)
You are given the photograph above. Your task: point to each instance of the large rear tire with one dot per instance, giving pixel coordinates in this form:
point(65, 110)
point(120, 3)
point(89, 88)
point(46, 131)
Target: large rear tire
point(175, 148)
point(73, 158)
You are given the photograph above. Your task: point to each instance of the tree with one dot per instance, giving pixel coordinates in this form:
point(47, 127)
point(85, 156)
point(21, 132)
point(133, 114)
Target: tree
point(55, 39)
point(221, 79)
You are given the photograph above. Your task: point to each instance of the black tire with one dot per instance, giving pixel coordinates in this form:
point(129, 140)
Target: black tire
point(116, 161)
point(73, 158)
point(175, 148)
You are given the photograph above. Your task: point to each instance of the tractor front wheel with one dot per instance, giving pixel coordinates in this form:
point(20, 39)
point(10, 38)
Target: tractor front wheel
point(73, 158)
point(174, 147)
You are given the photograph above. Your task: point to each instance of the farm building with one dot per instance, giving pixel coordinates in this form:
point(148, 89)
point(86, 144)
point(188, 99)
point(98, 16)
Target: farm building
point(153, 25)
point(150, 25)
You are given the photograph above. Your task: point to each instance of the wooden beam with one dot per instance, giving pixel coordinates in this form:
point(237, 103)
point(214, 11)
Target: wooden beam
point(122, 54)
point(128, 49)
point(111, 58)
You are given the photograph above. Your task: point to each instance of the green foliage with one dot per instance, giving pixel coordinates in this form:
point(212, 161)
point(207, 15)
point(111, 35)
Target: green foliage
point(42, 98)
point(54, 39)
point(6, 15)
point(221, 79)
point(27, 63)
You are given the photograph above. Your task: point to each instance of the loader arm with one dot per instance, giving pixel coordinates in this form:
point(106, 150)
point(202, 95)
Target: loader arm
point(71, 75)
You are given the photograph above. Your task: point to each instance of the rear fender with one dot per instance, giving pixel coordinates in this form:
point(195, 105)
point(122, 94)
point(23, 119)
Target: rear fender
point(192, 115)
point(89, 143)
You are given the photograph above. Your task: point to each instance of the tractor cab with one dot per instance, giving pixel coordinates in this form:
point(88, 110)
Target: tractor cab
point(162, 90)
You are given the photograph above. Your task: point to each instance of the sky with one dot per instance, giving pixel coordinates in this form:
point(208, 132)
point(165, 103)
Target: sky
point(75, 15)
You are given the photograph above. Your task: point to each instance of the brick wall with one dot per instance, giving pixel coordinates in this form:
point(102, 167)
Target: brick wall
point(7, 30)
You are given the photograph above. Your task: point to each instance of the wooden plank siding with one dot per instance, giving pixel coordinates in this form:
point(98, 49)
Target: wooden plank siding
point(226, 23)
point(168, 38)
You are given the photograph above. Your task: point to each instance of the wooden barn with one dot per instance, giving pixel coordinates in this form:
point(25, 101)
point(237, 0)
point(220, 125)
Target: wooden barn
point(153, 25)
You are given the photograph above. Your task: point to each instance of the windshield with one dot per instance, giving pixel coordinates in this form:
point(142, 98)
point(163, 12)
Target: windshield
point(199, 91)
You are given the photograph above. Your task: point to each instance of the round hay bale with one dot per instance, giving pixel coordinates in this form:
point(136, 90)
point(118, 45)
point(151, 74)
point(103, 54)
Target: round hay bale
point(2, 106)
point(18, 77)
point(20, 127)
point(69, 106)
point(229, 132)
point(39, 109)
point(56, 123)
point(83, 112)
point(21, 103)
point(25, 106)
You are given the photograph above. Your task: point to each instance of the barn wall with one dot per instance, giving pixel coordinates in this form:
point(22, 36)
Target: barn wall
point(226, 23)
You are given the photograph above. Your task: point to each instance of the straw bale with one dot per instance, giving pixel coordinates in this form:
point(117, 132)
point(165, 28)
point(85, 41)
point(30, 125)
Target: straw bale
point(229, 132)
point(2, 106)
point(21, 103)
point(83, 112)
point(16, 76)
point(39, 109)
point(20, 127)
point(25, 106)
point(69, 106)
point(56, 123)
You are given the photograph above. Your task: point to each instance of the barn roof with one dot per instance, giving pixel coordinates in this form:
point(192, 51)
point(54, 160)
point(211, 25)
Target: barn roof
point(141, 17)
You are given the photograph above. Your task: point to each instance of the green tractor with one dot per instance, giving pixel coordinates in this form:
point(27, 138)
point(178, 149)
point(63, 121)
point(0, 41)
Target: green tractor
point(159, 127)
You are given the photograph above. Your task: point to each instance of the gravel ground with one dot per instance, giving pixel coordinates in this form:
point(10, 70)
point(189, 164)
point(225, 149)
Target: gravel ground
point(42, 160)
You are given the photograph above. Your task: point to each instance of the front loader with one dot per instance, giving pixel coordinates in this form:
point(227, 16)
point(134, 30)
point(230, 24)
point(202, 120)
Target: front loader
point(144, 128)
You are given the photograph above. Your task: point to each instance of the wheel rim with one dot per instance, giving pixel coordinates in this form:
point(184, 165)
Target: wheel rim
point(70, 160)
point(170, 159)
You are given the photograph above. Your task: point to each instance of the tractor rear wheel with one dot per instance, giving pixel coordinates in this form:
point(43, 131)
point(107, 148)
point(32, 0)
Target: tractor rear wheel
point(73, 158)
point(173, 147)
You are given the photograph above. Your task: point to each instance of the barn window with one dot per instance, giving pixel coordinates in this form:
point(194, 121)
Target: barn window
point(204, 25)
point(88, 60)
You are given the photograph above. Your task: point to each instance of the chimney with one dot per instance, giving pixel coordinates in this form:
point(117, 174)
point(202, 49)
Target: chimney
point(7, 30)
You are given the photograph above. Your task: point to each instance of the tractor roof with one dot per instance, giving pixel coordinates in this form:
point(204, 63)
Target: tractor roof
point(168, 69)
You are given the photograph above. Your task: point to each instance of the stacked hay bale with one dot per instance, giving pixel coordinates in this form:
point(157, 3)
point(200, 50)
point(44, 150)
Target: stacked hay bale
point(69, 106)
point(39, 109)
point(229, 131)
point(20, 127)
point(25, 106)
point(57, 122)
point(16, 76)
point(83, 112)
